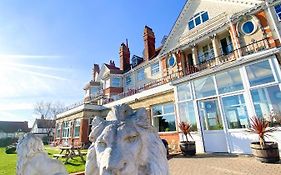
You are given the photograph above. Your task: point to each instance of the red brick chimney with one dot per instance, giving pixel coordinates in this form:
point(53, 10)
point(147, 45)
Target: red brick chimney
point(96, 70)
point(124, 54)
point(149, 43)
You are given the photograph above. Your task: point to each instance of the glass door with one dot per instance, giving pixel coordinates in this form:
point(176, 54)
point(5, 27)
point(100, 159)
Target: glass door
point(213, 134)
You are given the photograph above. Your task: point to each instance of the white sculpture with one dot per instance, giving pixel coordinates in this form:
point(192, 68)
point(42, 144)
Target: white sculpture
point(32, 160)
point(128, 145)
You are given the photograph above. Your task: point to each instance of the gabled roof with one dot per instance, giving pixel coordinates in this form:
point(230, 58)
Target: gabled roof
point(12, 127)
point(189, 10)
point(113, 69)
point(45, 123)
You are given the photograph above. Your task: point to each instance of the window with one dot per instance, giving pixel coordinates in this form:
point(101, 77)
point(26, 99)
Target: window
point(171, 61)
point(77, 128)
point(183, 92)
point(204, 87)
point(116, 82)
point(198, 19)
point(58, 130)
point(94, 90)
point(207, 53)
point(229, 81)
point(248, 27)
point(278, 11)
point(187, 114)
point(259, 73)
point(235, 111)
point(140, 75)
point(267, 101)
point(90, 125)
point(164, 117)
point(154, 68)
point(66, 129)
point(128, 80)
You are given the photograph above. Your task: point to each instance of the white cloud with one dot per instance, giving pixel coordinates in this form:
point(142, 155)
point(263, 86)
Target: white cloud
point(16, 106)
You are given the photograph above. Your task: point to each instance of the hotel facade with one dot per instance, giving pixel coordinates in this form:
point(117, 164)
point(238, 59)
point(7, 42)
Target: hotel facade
point(219, 66)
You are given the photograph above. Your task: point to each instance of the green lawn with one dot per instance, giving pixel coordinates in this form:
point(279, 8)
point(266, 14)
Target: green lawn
point(8, 162)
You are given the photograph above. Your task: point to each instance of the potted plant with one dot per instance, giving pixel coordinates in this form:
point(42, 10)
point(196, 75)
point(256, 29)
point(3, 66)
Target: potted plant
point(263, 151)
point(187, 147)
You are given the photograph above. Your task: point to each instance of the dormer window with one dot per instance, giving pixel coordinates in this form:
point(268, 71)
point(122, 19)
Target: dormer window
point(198, 19)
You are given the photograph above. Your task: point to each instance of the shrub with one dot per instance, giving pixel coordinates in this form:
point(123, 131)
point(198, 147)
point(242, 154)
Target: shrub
point(11, 149)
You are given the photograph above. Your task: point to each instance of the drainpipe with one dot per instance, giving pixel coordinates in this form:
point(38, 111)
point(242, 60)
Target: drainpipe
point(272, 18)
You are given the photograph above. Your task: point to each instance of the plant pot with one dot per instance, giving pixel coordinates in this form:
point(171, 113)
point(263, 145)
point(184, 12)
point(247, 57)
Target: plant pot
point(268, 153)
point(188, 148)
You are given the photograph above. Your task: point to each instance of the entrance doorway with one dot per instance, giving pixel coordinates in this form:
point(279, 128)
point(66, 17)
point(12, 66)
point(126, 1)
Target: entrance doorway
point(213, 134)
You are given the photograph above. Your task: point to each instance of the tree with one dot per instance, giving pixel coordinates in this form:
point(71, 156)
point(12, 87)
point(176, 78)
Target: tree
point(48, 112)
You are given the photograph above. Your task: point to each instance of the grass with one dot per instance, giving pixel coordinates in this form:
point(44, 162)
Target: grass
point(8, 162)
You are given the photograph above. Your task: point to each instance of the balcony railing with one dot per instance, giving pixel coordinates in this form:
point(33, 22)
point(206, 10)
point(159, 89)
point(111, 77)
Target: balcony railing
point(228, 55)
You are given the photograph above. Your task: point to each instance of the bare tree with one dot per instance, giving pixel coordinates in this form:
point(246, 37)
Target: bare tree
point(48, 111)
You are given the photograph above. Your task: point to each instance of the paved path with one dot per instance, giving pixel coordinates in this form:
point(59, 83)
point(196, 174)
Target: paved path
point(221, 165)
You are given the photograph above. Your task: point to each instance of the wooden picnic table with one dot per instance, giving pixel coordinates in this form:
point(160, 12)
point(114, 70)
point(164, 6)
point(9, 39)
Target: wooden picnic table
point(69, 152)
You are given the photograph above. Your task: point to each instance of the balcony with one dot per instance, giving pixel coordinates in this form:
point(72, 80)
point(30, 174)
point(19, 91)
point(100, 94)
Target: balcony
point(227, 55)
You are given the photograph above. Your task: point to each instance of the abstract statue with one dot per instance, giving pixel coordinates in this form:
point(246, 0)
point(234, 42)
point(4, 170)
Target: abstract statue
point(32, 160)
point(125, 144)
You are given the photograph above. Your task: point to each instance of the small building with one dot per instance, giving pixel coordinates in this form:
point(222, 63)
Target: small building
point(43, 127)
point(11, 129)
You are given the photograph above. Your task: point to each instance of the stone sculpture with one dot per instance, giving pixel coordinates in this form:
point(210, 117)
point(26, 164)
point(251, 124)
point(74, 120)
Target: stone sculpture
point(33, 160)
point(125, 144)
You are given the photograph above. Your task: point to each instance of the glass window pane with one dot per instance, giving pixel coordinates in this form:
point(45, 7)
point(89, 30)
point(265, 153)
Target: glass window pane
point(204, 87)
point(168, 108)
point(205, 16)
point(197, 21)
point(140, 75)
point(157, 110)
point(187, 114)
point(267, 101)
point(183, 91)
point(128, 80)
point(260, 73)
point(116, 82)
point(229, 81)
point(235, 112)
point(210, 114)
point(154, 68)
point(191, 24)
point(278, 8)
point(164, 123)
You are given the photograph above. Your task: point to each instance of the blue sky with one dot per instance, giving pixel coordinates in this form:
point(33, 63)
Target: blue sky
point(47, 48)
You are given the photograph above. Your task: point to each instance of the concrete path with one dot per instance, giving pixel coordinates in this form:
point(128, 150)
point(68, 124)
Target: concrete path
point(221, 165)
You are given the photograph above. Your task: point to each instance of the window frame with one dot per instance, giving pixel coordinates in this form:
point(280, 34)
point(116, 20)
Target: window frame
point(197, 16)
point(76, 126)
point(155, 68)
point(278, 13)
point(164, 114)
point(66, 128)
point(141, 74)
point(114, 81)
point(128, 83)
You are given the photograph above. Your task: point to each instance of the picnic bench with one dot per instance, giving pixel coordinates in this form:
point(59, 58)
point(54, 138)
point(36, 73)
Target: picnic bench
point(69, 152)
